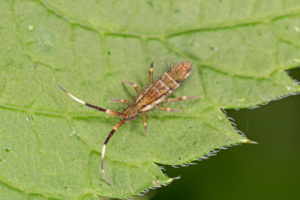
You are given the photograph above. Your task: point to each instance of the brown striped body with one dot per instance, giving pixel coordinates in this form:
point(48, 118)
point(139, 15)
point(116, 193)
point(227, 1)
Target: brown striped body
point(157, 92)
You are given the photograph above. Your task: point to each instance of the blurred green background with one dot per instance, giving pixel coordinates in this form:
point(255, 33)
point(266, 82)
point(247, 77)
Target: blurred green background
point(267, 170)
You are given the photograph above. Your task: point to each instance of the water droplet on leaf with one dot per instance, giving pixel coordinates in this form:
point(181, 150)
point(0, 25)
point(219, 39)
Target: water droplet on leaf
point(30, 27)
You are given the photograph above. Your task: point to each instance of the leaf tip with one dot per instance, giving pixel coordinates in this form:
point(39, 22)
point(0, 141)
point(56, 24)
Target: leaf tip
point(248, 141)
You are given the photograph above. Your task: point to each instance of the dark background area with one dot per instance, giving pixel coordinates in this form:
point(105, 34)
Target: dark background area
point(263, 171)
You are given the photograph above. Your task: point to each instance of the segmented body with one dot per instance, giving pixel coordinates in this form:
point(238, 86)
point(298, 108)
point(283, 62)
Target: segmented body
point(155, 94)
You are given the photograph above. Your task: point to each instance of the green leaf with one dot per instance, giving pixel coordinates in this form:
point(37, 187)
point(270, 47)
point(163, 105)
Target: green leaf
point(50, 145)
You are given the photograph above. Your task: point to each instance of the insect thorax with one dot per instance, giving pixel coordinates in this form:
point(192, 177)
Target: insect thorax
point(131, 112)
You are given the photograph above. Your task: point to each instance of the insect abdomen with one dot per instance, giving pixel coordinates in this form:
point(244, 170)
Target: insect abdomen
point(180, 71)
point(175, 75)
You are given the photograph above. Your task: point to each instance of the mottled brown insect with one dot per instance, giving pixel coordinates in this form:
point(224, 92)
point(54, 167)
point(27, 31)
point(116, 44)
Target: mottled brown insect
point(155, 94)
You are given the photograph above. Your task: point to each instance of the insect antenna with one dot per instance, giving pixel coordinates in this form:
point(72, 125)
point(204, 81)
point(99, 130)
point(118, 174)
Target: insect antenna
point(110, 112)
point(104, 147)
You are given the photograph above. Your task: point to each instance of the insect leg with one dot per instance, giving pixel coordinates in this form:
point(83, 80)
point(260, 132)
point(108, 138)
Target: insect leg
point(166, 109)
point(181, 98)
point(151, 73)
point(104, 148)
point(110, 112)
point(119, 100)
point(145, 123)
point(136, 87)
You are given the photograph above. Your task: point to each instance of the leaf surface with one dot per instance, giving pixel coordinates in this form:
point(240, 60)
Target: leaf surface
point(50, 145)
